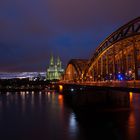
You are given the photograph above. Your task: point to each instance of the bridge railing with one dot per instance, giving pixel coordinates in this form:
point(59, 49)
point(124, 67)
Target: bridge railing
point(127, 84)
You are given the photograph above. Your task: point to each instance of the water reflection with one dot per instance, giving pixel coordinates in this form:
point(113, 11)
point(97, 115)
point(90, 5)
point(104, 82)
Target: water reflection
point(60, 100)
point(49, 96)
point(132, 124)
point(7, 93)
point(22, 95)
point(133, 120)
point(131, 96)
point(72, 124)
point(32, 99)
point(29, 115)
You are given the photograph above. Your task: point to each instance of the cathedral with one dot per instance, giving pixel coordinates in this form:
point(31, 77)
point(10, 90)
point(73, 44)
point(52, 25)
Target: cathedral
point(55, 70)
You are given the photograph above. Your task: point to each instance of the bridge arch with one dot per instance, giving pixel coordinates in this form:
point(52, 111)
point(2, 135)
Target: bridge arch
point(75, 69)
point(118, 56)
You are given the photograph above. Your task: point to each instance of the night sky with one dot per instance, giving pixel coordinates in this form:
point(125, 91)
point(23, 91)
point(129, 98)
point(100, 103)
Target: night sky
point(30, 30)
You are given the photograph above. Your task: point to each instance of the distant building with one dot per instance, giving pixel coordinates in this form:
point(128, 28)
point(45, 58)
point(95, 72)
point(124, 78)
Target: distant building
point(55, 70)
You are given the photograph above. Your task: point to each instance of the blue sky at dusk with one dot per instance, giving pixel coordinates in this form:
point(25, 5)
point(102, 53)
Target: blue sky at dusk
point(30, 30)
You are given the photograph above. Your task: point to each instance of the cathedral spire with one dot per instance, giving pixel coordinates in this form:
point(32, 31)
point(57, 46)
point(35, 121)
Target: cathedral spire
point(58, 62)
point(51, 60)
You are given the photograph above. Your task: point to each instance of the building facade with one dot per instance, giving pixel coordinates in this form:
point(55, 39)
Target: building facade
point(55, 70)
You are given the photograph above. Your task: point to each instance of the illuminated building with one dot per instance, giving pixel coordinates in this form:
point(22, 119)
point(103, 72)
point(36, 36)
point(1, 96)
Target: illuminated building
point(55, 70)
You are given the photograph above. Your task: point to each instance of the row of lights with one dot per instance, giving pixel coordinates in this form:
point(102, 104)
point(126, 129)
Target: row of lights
point(120, 76)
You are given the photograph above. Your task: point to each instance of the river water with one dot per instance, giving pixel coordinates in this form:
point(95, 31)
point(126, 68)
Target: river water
point(44, 116)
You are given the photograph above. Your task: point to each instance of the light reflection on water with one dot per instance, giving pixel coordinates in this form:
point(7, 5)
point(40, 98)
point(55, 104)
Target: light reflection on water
point(60, 100)
point(73, 124)
point(45, 115)
point(38, 114)
point(133, 119)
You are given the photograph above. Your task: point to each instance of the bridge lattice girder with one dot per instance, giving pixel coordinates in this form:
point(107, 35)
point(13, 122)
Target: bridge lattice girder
point(79, 66)
point(131, 29)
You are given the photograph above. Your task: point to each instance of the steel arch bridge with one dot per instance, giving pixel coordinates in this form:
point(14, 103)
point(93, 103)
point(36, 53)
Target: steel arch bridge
point(116, 58)
point(75, 69)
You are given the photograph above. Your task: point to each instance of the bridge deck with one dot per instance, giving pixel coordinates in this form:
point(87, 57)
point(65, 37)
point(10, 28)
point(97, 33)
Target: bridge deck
point(131, 86)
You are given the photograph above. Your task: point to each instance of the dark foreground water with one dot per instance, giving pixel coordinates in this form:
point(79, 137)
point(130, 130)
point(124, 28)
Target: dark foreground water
point(44, 116)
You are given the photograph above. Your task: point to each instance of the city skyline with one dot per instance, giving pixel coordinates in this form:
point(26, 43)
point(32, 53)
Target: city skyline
point(31, 31)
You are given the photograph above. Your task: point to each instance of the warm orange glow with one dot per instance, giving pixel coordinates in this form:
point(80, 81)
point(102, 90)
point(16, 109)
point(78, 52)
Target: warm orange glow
point(60, 88)
point(132, 125)
point(130, 96)
point(60, 99)
point(131, 120)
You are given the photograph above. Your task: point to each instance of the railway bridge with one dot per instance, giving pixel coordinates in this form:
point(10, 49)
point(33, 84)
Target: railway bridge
point(115, 60)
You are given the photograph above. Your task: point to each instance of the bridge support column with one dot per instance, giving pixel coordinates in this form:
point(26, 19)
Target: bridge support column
point(97, 71)
point(135, 60)
point(119, 67)
point(107, 65)
point(101, 68)
point(127, 67)
point(114, 67)
point(122, 63)
point(124, 67)
point(93, 74)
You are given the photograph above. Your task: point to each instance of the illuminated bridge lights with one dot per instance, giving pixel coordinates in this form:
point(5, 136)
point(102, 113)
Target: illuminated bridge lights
point(120, 77)
point(116, 58)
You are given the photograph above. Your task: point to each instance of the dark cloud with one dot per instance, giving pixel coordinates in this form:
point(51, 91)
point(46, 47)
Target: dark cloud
point(87, 12)
point(31, 30)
